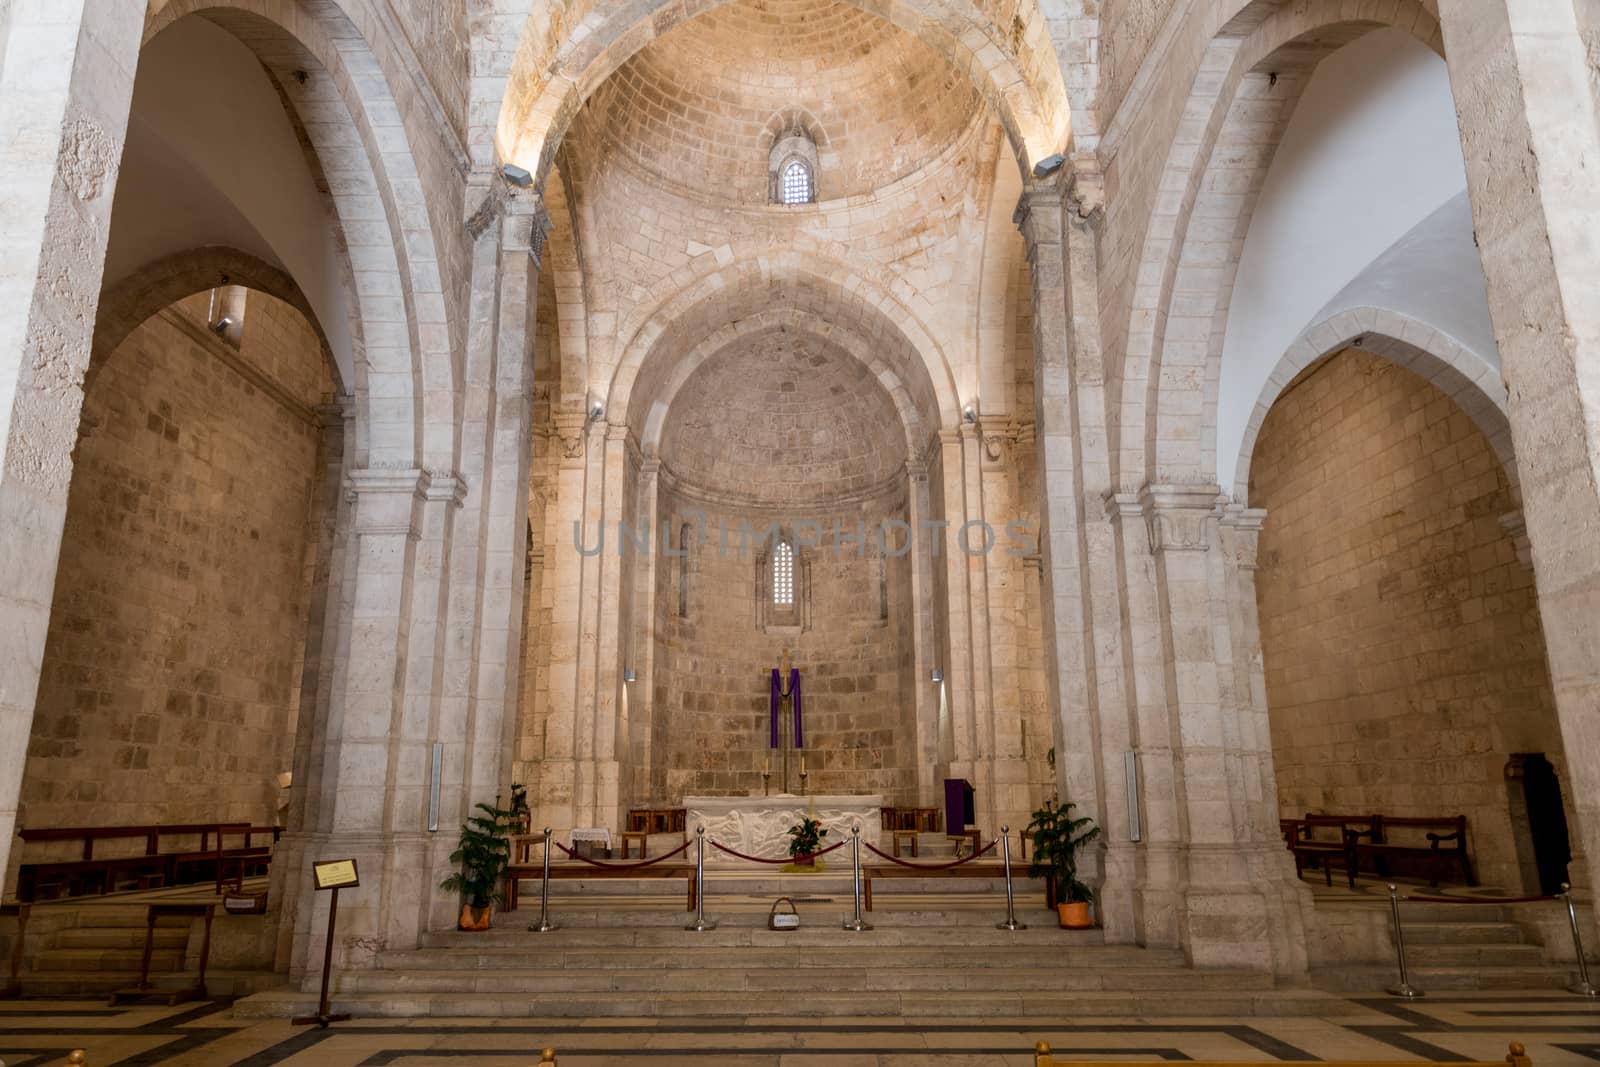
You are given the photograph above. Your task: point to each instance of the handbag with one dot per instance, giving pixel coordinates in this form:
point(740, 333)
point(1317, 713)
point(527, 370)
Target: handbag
point(783, 920)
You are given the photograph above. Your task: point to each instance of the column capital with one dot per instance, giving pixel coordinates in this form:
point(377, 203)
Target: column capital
point(386, 499)
point(1176, 516)
point(569, 431)
point(1241, 528)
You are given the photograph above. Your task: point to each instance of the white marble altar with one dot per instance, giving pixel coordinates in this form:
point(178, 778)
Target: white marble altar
point(759, 826)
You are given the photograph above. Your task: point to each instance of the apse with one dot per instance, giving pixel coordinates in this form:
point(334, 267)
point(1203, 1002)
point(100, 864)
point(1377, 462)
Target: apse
point(782, 482)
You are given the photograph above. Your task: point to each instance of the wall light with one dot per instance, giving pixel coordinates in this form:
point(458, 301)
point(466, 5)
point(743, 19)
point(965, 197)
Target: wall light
point(970, 413)
point(628, 675)
point(596, 410)
point(936, 675)
point(1048, 165)
point(517, 176)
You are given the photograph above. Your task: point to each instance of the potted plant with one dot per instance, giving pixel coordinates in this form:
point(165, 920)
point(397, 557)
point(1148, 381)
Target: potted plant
point(484, 853)
point(1057, 836)
point(806, 839)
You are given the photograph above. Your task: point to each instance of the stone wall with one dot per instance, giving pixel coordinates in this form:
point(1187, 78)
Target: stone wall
point(1404, 657)
point(712, 664)
point(170, 679)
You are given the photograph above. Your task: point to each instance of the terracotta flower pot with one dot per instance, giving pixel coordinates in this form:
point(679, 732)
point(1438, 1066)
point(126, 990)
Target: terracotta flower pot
point(1074, 916)
point(474, 918)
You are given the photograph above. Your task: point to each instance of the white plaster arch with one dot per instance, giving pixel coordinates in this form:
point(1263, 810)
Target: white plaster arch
point(1232, 125)
point(563, 54)
point(1443, 361)
point(405, 374)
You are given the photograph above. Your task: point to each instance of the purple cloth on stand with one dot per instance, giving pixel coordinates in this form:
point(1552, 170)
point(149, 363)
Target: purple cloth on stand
point(794, 691)
point(777, 697)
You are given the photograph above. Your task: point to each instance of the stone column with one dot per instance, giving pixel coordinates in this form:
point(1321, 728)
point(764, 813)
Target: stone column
point(925, 653)
point(554, 805)
point(1040, 215)
point(959, 675)
point(1240, 899)
point(66, 79)
point(1524, 79)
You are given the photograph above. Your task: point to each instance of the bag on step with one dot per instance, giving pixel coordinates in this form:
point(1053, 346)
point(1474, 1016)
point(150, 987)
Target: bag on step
point(783, 920)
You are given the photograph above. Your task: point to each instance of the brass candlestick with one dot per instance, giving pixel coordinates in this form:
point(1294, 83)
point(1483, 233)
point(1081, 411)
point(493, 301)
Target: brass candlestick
point(766, 783)
point(803, 776)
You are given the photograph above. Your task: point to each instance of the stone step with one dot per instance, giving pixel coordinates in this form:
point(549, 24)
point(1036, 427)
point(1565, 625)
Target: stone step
point(760, 981)
point(1367, 978)
point(1463, 933)
point(836, 883)
point(218, 983)
point(980, 935)
point(94, 959)
point(940, 1005)
point(1494, 955)
point(114, 937)
point(577, 959)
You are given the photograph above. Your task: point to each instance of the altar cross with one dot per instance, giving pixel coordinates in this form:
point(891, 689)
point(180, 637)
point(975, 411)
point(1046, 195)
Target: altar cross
point(786, 733)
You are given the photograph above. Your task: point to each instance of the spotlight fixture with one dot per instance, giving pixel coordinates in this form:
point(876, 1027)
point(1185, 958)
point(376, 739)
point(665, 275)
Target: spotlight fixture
point(628, 675)
point(596, 410)
point(222, 326)
point(1048, 165)
point(970, 413)
point(937, 675)
point(517, 176)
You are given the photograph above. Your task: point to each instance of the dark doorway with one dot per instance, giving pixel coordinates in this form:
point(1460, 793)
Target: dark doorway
point(1547, 819)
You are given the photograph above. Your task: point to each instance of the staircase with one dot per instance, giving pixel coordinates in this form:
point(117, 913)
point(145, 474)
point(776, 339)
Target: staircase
point(1455, 947)
point(935, 960)
point(99, 951)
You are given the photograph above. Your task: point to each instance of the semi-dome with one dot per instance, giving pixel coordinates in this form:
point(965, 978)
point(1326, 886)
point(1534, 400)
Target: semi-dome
point(783, 417)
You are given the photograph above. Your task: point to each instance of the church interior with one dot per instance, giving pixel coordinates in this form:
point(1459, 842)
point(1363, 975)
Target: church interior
point(605, 487)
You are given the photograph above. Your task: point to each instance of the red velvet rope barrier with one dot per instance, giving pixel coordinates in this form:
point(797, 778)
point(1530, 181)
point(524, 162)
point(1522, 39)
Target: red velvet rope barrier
point(763, 859)
point(621, 866)
point(934, 866)
point(1479, 900)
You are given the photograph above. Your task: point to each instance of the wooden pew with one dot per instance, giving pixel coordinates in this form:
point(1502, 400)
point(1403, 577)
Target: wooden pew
point(151, 867)
point(1517, 1057)
point(1324, 840)
point(1448, 831)
point(534, 872)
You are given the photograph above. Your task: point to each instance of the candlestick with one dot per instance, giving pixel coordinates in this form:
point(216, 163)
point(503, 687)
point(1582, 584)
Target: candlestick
point(766, 783)
point(802, 764)
point(766, 765)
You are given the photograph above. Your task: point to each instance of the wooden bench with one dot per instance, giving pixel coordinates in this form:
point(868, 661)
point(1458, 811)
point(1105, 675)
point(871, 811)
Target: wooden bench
point(151, 867)
point(889, 870)
point(1517, 1057)
point(1444, 850)
point(1325, 840)
point(534, 872)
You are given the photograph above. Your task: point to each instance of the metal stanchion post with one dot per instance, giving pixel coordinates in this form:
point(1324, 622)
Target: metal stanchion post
point(1011, 901)
point(857, 924)
point(544, 925)
point(700, 923)
point(1405, 988)
point(1582, 986)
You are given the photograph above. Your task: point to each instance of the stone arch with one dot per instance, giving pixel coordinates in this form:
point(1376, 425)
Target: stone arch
point(1190, 251)
point(835, 295)
point(153, 287)
point(1439, 359)
point(563, 56)
point(790, 319)
point(406, 374)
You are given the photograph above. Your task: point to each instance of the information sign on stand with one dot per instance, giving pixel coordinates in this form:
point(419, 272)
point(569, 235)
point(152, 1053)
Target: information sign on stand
point(332, 875)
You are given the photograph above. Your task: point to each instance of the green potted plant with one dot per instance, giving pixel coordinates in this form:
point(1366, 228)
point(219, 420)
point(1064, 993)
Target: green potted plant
point(484, 853)
point(1057, 836)
point(805, 840)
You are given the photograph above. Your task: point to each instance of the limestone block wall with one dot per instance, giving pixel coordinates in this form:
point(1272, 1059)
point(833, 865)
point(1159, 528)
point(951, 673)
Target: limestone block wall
point(1404, 656)
point(170, 679)
point(712, 663)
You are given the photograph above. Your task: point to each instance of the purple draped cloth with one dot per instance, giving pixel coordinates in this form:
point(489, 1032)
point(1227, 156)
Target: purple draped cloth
point(775, 701)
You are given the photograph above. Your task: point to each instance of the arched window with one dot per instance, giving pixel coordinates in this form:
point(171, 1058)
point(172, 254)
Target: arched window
point(783, 574)
point(792, 167)
point(796, 184)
